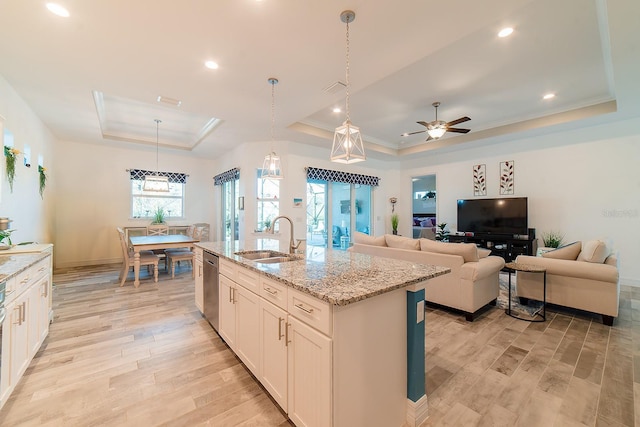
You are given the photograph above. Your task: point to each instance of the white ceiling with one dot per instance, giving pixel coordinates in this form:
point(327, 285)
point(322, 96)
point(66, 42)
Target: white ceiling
point(95, 76)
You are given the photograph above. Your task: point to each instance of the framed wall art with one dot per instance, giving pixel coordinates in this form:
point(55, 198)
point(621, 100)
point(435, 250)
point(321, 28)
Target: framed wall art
point(479, 180)
point(507, 178)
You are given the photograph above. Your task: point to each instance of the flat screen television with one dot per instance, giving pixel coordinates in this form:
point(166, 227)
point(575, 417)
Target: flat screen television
point(506, 216)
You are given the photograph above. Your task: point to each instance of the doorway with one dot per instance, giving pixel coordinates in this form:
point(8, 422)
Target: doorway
point(424, 206)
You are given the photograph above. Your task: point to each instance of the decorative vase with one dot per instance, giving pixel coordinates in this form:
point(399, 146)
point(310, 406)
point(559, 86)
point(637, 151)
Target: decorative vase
point(395, 232)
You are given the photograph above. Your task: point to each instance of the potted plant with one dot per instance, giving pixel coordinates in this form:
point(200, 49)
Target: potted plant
point(158, 216)
point(267, 223)
point(394, 223)
point(442, 234)
point(5, 235)
point(551, 240)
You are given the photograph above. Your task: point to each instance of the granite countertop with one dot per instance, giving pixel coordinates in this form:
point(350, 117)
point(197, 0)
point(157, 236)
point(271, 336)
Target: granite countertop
point(334, 276)
point(11, 265)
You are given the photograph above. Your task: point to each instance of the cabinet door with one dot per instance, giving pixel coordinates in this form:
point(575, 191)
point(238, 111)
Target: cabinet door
point(273, 354)
point(226, 298)
point(309, 375)
point(248, 329)
point(31, 315)
point(44, 292)
point(199, 285)
point(5, 363)
point(19, 346)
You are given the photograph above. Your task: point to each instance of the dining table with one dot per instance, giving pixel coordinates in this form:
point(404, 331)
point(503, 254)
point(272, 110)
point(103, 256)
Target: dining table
point(150, 243)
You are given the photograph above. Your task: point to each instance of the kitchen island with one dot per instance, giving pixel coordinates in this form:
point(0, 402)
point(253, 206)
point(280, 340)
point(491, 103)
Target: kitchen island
point(336, 338)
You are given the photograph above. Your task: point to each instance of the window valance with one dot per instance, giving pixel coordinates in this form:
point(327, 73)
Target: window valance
point(173, 177)
point(338, 176)
point(230, 175)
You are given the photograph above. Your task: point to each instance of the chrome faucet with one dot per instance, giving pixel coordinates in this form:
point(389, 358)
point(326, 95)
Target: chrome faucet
point(292, 246)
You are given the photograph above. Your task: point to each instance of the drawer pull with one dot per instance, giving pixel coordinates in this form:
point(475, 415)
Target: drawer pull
point(280, 319)
point(286, 334)
point(273, 292)
point(303, 308)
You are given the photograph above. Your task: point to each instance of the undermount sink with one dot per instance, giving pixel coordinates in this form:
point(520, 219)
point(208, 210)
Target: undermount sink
point(266, 257)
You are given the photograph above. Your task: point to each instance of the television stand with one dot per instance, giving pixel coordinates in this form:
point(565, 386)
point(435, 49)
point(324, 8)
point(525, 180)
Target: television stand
point(506, 246)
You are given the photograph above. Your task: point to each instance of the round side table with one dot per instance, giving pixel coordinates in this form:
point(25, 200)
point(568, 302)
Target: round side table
point(527, 268)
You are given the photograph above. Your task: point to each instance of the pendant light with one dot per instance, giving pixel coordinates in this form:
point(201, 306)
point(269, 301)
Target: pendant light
point(347, 139)
point(271, 168)
point(156, 183)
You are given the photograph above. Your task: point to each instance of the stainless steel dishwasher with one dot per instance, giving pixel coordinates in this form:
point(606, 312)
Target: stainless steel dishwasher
point(210, 276)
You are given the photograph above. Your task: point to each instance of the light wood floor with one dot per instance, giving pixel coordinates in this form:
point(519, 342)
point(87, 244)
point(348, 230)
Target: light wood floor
point(144, 357)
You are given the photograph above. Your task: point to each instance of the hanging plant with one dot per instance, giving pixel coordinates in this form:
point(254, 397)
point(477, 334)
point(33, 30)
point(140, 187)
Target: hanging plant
point(43, 179)
point(10, 155)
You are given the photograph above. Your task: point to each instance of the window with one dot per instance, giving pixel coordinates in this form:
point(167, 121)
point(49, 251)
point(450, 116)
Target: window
point(268, 201)
point(145, 203)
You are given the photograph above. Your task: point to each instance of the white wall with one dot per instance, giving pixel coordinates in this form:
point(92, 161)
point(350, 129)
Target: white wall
point(93, 196)
point(584, 183)
point(32, 215)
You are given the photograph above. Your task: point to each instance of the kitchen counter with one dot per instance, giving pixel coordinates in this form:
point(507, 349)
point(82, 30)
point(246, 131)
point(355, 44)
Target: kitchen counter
point(337, 277)
point(11, 265)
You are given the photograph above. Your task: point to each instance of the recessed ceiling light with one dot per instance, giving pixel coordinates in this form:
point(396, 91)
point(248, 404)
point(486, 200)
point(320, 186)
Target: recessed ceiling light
point(212, 65)
point(505, 32)
point(549, 96)
point(58, 10)
point(337, 110)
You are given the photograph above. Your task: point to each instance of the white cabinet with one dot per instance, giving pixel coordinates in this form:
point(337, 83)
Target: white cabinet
point(26, 324)
point(199, 285)
point(309, 374)
point(227, 329)
point(273, 354)
point(247, 343)
point(240, 319)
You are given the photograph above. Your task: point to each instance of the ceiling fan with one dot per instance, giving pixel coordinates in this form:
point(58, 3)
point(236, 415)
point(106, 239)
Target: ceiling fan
point(437, 128)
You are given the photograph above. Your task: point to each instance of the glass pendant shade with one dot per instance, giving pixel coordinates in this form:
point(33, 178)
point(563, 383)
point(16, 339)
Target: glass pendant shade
point(156, 184)
point(271, 167)
point(347, 144)
point(347, 140)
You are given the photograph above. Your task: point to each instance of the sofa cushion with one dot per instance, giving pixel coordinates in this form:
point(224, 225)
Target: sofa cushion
point(483, 253)
point(401, 242)
point(594, 251)
point(365, 239)
point(569, 252)
point(467, 251)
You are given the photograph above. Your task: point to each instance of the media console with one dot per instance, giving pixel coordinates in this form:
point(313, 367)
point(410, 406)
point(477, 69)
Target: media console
point(507, 247)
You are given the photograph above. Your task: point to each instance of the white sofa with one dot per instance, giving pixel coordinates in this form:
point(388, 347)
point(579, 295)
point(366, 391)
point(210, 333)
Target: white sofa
point(579, 275)
point(472, 283)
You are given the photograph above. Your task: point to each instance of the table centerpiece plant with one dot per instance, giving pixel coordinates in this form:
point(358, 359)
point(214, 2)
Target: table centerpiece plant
point(158, 216)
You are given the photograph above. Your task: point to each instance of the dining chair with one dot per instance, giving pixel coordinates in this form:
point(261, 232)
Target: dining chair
point(147, 258)
point(182, 254)
point(159, 230)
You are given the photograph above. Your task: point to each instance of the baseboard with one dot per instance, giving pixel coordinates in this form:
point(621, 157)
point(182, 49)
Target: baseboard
point(630, 282)
point(88, 263)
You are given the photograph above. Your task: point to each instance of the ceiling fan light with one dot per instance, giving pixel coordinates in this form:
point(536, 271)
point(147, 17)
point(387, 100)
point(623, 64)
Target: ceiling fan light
point(347, 144)
point(271, 168)
point(437, 129)
point(156, 184)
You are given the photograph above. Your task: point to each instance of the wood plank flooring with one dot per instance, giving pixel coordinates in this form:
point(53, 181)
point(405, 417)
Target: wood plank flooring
point(146, 357)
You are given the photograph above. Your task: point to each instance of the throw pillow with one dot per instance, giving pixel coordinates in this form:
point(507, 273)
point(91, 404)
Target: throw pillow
point(569, 252)
point(483, 253)
point(468, 251)
point(400, 242)
point(594, 251)
point(365, 239)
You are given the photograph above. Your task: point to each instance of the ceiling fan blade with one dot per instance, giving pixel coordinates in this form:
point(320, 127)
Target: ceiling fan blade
point(458, 130)
point(457, 121)
point(413, 133)
point(425, 124)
